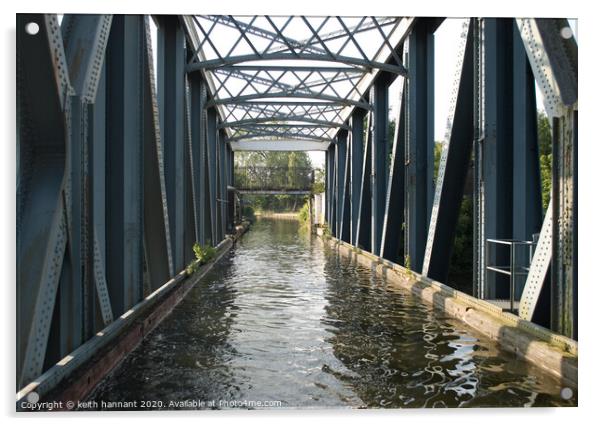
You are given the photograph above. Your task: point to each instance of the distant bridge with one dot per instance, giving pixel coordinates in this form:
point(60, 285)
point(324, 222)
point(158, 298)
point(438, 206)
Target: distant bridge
point(274, 180)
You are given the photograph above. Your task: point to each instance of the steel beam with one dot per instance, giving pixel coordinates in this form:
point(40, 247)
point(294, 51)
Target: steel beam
point(287, 94)
point(210, 64)
point(157, 241)
point(223, 184)
point(125, 69)
point(453, 167)
point(340, 181)
point(526, 185)
point(171, 60)
point(396, 188)
point(198, 123)
point(276, 120)
point(190, 200)
point(380, 148)
point(493, 200)
point(85, 39)
point(345, 230)
point(279, 145)
point(364, 219)
point(331, 189)
point(42, 131)
point(356, 156)
point(420, 142)
point(212, 170)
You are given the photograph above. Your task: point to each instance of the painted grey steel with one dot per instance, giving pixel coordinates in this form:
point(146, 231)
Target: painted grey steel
point(232, 60)
point(494, 197)
point(394, 208)
point(340, 180)
point(378, 161)
point(125, 71)
point(420, 144)
point(286, 94)
point(453, 166)
point(279, 145)
point(157, 239)
point(198, 96)
point(212, 170)
point(274, 120)
point(171, 96)
point(538, 270)
point(356, 156)
point(362, 232)
point(85, 38)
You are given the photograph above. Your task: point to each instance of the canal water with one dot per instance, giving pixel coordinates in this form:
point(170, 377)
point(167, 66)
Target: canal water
point(285, 321)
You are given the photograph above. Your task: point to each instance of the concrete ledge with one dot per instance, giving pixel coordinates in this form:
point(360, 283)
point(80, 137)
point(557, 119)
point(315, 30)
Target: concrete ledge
point(552, 352)
point(77, 374)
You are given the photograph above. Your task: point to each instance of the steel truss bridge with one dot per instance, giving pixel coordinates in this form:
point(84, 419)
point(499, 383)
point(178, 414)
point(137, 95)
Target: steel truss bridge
point(124, 165)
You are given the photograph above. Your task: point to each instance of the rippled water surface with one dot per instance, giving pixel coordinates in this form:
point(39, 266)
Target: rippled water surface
point(284, 318)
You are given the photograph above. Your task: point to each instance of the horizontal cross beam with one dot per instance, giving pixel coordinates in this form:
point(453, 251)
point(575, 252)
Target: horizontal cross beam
point(331, 99)
point(279, 145)
point(274, 119)
point(367, 66)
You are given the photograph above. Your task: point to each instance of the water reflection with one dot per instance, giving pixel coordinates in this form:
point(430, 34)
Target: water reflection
point(285, 318)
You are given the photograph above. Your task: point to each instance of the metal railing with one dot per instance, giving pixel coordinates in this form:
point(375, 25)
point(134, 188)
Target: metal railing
point(273, 178)
point(515, 268)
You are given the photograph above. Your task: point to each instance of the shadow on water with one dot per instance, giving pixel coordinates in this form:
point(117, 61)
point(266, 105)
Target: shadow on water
point(285, 318)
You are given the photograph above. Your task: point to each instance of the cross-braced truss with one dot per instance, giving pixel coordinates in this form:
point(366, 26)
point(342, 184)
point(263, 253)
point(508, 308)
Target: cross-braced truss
point(292, 77)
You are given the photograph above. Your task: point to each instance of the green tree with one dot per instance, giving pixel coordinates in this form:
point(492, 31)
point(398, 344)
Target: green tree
point(544, 139)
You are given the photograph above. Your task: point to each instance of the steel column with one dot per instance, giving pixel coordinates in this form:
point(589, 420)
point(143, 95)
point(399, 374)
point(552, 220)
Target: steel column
point(396, 188)
point(331, 190)
point(157, 242)
point(171, 60)
point(493, 201)
point(453, 167)
point(356, 155)
point(125, 71)
point(420, 142)
point(341, 157)
point(363, 224)
point(378, 177)
point(212, 171)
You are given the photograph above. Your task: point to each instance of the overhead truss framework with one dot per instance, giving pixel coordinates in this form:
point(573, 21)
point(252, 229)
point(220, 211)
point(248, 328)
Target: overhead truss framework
point(293, 77)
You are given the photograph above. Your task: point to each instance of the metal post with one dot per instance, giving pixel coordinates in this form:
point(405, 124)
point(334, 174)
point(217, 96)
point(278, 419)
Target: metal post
point(378, 176)
point(341, 157)
point(494, 197)
point(526, 203)
point(396, 188)
point(171, 60)
point(363, 224)
point(124, 162)
point(198, 123)
point(453, 168)
point(212, 171)
point(356, 154)
point(420, 143)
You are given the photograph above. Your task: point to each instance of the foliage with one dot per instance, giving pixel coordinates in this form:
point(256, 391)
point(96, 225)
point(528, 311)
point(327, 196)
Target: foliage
point(304, 212)
point(461, 260)
point(319, 185)
point(544, 137)
point(437, 159)
point(257, 163)
point(202, 255)
point(248, 212)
